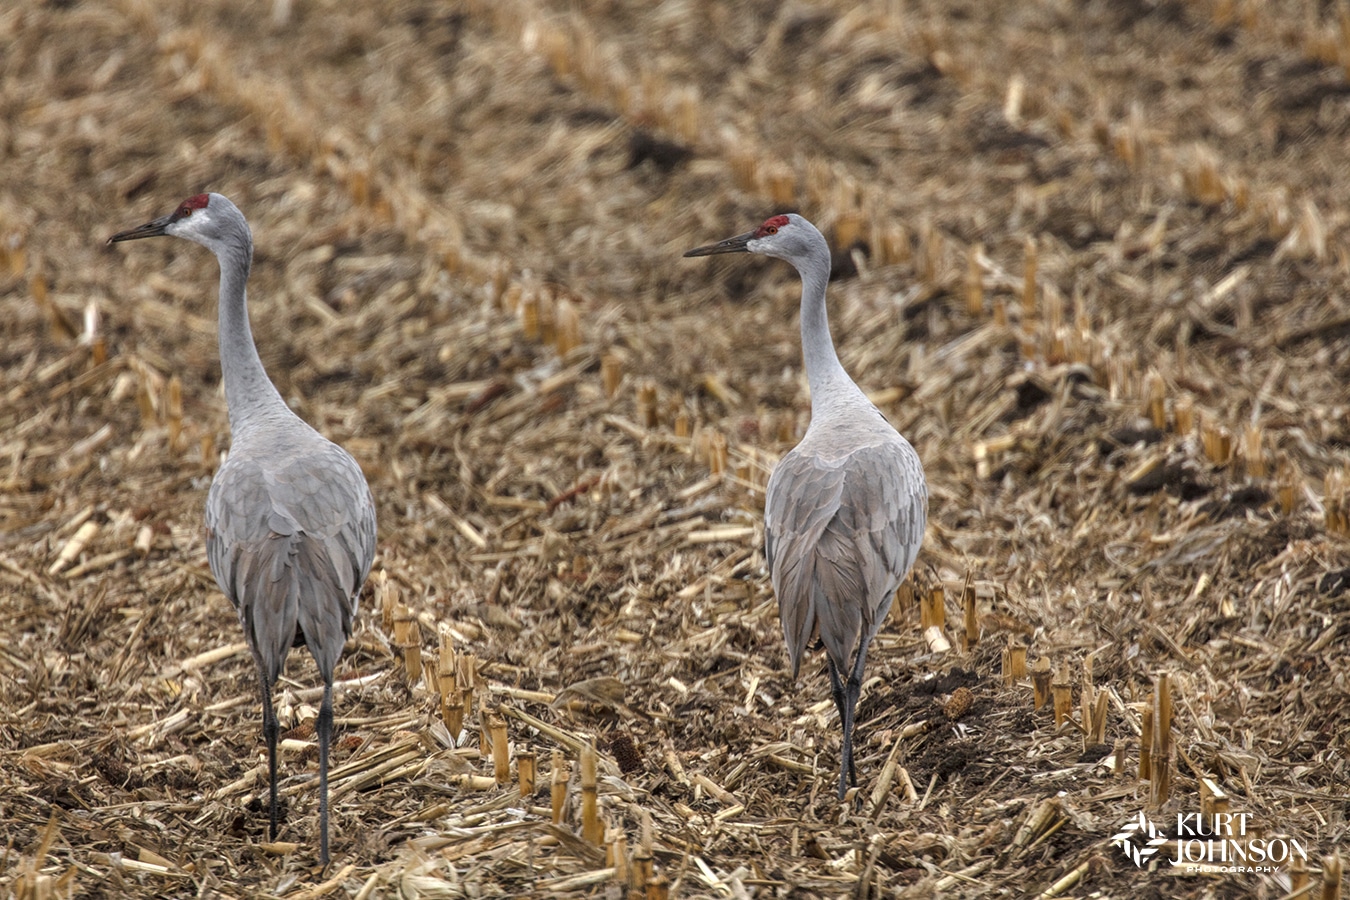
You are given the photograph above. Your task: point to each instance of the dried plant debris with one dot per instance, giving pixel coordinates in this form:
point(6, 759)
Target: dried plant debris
point(1088, 286)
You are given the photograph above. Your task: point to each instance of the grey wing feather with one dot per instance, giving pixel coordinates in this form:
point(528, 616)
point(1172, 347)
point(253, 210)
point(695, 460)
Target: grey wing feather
point(290, 540)
point(801, 499)
point(841, 534)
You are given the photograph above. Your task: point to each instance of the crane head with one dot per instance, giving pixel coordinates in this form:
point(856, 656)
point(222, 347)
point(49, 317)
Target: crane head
point(785, 237)
point(207, 219)
point(164, 224)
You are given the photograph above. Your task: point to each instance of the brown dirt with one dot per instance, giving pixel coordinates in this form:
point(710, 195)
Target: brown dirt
point(467, 216)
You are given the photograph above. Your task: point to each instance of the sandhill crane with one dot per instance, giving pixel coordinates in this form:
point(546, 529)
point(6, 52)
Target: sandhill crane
point(846, 509)
point(290, 523)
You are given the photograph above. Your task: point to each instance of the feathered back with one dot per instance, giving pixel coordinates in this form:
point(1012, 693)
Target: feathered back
point(842, 532)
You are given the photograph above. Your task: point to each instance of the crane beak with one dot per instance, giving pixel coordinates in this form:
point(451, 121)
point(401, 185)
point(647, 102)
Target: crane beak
point(738, 244)
point(149, 229)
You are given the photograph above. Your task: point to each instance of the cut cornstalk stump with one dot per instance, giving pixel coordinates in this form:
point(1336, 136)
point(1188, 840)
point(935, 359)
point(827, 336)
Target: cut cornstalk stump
point(1040, 682)
point(611, 373)
point(525, 773)
point(616, 854)
point(501, 748)
point(1160, 785)
point(1332, 877)
point(173, 419)
point(447, 684)
point(971, 621)
point(1061, 689)
point(1217, 442)
point(1147, 716)
point(933, 610)
point(1253, 451)
point(467, 677)
point(1298, 875)
point(1336, 511)
point(642, 870)
point(408, 639)
point(646, 405)
point(591, 827)
point(903, 602)
point(529, 316)
point(1183, 411)
point(1097, 728)
point(568, 330)
point(1157, 400)
point(1289, 480)
point(1087, 699)
point(387, 593)
point(558, 776)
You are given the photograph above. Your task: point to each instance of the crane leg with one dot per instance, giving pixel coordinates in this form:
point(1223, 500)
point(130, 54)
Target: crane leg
point(852, 690)
point(270, 731)
point(840, 694)
point(325, 740)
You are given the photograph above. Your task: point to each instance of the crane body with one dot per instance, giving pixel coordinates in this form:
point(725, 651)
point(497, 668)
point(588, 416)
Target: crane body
point(290, 521)
point(845, 510)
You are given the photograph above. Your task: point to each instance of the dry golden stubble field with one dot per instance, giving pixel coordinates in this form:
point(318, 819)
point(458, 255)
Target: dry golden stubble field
point(1091, 260)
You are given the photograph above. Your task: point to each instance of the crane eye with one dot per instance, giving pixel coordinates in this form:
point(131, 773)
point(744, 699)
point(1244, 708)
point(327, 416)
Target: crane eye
point(772, 229)
point(185, 211)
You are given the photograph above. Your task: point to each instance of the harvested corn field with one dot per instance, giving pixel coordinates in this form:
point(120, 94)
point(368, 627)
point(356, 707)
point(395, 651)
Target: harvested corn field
point(1090, 258)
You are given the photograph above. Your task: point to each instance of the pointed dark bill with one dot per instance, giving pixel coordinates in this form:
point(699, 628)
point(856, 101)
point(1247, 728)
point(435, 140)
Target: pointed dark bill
point(735, 244)
point(149, 229)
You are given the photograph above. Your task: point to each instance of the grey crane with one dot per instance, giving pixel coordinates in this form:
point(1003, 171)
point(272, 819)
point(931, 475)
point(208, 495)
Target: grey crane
point(290, 523)
point(846, 509)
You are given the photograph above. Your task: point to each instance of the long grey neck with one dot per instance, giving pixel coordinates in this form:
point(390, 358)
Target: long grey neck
point(249, 393)
point(830, 384)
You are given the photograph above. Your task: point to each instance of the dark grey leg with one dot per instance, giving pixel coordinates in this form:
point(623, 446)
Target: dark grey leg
point(853, 689)
point(270, 731)
point(325, 739)
point(841, 703)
